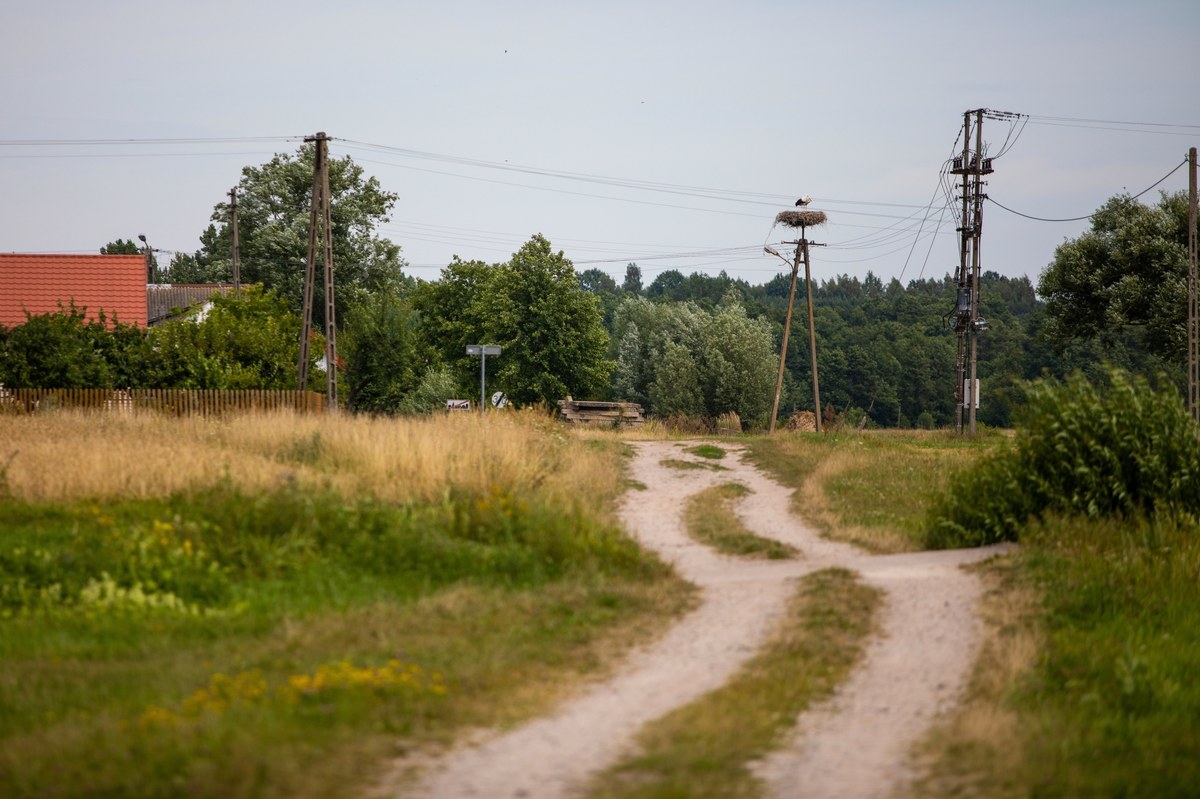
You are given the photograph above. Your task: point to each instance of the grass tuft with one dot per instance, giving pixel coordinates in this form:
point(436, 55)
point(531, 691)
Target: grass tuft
point(706, 749)
point(710, 519)
point(707, 451)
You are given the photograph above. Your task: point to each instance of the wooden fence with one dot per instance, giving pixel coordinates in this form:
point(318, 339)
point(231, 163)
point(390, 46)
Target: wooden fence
point(176, 402)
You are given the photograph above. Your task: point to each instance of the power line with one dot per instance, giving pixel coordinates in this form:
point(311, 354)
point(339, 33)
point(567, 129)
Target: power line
point(107, 142)
point(1112, 122)
point(1089, 216)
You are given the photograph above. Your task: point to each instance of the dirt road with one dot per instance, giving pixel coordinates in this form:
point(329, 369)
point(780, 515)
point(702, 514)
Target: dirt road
point(855, 745)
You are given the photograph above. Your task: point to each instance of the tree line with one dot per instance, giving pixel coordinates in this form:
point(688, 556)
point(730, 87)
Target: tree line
point(698, 344)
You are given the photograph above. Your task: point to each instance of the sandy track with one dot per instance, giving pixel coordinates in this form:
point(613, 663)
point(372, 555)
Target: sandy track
point(855, 745)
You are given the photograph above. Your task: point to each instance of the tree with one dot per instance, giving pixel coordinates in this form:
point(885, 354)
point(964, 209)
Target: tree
point(551, 329)
point(739, 361)
point(246, 340)
point(633, 279)
point(121, 247)
point(382, 366)
point(680, 358)
point(274, 202)
point(676, 387)
point(64, 349)
point(1124, 282)
point(601, 284)
point(452, 313)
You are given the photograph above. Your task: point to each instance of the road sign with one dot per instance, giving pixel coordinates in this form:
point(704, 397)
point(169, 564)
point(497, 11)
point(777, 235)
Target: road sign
point(499, 400)
point(458, 405)
point(483, 350)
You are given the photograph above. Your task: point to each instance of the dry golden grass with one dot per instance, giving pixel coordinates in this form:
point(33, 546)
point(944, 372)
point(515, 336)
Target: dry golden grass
point(67, 456)
point(973, 752)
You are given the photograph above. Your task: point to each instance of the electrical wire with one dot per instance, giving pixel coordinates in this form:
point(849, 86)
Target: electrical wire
point(1040, 117)
point(1089, 216)
point(106, 142)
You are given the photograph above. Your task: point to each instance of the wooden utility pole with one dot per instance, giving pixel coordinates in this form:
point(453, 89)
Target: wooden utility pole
point(1193, 291)
point(801, 220)
point(319, 216)
point(233, 225)
point(787, 329)
point(812, 330)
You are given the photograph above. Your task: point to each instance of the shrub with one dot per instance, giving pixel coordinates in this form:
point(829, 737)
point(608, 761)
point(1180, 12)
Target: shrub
point(1119, 448)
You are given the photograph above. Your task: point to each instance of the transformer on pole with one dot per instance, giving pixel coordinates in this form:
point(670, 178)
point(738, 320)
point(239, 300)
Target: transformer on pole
point(965, 321)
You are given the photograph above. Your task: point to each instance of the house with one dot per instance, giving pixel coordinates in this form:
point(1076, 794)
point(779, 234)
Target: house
point(167, 300)
point(114, 284)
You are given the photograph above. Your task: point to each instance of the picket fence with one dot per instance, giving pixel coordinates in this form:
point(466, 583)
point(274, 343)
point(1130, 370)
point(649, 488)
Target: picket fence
point(175, 402)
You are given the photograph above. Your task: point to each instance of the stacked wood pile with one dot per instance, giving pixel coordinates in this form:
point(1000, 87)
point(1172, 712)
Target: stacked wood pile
point(615, 414)
point(804, 421)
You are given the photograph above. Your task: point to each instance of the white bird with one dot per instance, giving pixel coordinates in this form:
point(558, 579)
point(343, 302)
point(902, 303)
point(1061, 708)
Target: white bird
point(805, 200)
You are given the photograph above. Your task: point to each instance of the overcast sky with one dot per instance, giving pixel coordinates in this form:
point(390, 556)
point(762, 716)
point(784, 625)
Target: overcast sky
point(731, 109)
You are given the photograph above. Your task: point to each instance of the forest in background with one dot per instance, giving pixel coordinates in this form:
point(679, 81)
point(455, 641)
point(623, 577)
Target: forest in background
point(696, 345)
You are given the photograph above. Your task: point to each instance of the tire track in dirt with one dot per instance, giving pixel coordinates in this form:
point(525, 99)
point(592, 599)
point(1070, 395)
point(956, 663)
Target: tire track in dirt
point(855, 745)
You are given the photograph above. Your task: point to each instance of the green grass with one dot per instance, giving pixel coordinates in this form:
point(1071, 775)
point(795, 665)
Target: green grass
point(704, 749)
point(710, 519)
point(707, 451)
point(870, 489)
point(177, 673)
point(1109, 704)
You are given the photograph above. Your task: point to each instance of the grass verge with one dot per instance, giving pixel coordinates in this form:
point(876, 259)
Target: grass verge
point(710, 519)
point(1096, 624)
point(706, 748)
point(870, 489)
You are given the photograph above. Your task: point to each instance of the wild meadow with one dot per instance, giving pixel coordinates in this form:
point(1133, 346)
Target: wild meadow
point(278, 605)
point(281, 606)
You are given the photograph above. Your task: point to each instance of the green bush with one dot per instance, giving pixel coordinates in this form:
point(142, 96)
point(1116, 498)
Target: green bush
point(1119, 448)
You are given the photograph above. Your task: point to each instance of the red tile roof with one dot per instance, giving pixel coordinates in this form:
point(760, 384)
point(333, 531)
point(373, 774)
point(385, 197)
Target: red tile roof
point(37, 283)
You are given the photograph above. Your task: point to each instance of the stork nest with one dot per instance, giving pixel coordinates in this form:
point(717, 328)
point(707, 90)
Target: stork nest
point(800, 218)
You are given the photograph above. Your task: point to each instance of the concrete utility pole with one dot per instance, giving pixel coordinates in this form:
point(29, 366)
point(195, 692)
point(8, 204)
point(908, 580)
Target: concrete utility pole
point(966, 322)
point(233, 225)
point(1193, 291)
point(319, 216)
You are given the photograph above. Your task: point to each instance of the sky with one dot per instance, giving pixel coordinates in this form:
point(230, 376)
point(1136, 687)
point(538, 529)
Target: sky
point(663, 133)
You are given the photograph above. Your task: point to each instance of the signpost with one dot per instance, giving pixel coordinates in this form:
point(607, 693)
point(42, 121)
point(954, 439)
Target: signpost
point(483, 350)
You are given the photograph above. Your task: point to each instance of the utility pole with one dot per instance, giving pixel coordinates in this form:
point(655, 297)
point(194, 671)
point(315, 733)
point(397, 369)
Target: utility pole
point(1193, 290)
point(812, 330)
point(319, 215)
point(150, 270)
point(966, 322)
point(237, 269)
point(787, 329)
point(802, 220)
